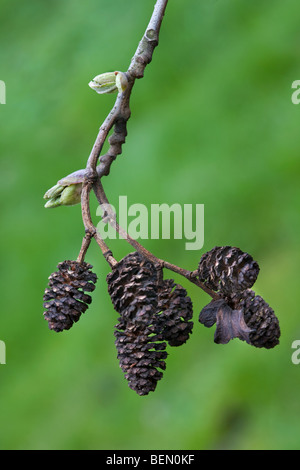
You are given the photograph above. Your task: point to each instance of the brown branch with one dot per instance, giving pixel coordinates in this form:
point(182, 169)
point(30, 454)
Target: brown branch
point(90, 228)
point(110, 217)
point(121, 110)
point(144, 52)
point(120, 113)
point(118, 118)
point(84, 247)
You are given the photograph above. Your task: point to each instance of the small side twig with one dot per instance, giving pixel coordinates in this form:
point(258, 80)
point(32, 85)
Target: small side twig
point(84, 247)
point(90, 228)
point(190, 275)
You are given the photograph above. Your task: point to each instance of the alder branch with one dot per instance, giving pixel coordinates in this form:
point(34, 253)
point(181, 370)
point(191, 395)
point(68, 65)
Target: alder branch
point(91, 230)
point(111, 219)
point(120, 113)
point(229, 270)
point(118, 118)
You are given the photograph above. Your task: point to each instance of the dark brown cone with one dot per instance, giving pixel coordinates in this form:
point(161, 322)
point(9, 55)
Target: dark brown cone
point(260, 317)
point(65, 298)
point(152, 312)
point(176, 310)
point(139, 356)
point(132, 286)
point(227, 269)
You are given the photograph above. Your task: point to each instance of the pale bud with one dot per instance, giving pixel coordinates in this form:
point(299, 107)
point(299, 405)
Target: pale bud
point(104, 83)
point(109, 82)
point(67, 192)
point(69, 196)
point(54, 192)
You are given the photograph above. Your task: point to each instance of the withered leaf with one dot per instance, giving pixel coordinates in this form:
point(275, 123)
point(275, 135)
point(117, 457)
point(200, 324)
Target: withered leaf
point(230, 324)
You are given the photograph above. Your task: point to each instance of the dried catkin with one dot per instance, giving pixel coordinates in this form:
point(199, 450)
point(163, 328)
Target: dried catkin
point(227, 269)
point(152, 312)
point(65, 298)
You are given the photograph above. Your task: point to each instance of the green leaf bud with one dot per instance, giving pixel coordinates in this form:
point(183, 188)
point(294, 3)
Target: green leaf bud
point(71, 195)
point(54, 192)
point(54, 202)
point(104, 83)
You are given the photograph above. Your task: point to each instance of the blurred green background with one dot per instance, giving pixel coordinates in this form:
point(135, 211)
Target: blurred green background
point(212, 123)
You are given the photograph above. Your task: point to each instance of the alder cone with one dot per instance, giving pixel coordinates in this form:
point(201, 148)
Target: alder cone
point(152, 312)
point(176, 310)
point(227, 269)
point(260, 317)
point(139, 356)
point(132, 286)
point(65, 298)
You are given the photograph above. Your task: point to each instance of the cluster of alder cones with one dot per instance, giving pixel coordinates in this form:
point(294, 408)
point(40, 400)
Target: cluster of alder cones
point(156, 312)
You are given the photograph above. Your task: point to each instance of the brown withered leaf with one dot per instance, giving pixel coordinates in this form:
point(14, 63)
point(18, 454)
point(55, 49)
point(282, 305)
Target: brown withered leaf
point(231, 324)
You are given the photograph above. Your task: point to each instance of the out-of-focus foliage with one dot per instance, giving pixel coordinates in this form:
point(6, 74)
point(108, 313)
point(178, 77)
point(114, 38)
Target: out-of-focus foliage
point(212, 123)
